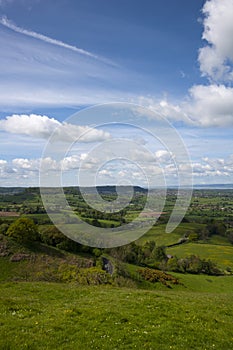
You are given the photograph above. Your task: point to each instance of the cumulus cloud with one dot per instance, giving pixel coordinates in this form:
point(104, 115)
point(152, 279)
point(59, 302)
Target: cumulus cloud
point(23, 171)
point(26, 164)
point(2, 162)
point(164, 108)
point(214, 168)
point(216, 57)
point(163, 156)
point(32, 125)
point(221, 165)
point(206, 166)
point(210, 105)
point(205, 106)
point(69, 132)
point(42, 127)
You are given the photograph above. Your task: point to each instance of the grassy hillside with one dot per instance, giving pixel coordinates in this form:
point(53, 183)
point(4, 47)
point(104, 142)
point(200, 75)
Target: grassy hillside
point(39, 262)
point(60, 316)
point(195, 314)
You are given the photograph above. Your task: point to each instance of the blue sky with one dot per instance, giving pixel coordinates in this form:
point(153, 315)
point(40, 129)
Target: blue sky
point(172, 57)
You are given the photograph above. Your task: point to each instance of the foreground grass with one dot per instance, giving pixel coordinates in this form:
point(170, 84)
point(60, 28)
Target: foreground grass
point(60, 316)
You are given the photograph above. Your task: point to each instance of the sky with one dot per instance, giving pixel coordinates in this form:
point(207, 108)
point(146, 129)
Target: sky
point(173, 58)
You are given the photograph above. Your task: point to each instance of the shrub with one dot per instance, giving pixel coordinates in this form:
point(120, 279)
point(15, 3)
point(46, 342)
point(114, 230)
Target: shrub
point(153, 276)
point(23, 230)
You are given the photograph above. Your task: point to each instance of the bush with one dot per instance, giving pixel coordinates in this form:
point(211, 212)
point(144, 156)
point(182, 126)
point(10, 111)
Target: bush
point(52, 236)
point(23, 230)
point(83, 276)
point(153, 276)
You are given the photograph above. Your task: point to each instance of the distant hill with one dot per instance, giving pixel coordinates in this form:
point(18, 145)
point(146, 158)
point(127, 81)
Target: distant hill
point(11, 190)
point(112, 189)
point(100, 189)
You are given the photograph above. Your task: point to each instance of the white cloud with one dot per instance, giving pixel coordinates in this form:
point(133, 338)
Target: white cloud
point(164, 108)
point(33, 125)
point(163, 156)
point(211, 105)
point(71, 162)
point(69, 132)
point(42, 127)
point(216, 58)
point(220, 164)
point(2, 162)
point(205, 106)
point(48, 163)
point(105, 172)
point(26, 164)
point(25, 171)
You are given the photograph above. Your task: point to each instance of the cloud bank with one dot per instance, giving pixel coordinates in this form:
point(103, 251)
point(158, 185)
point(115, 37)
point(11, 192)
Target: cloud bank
point(25, 170)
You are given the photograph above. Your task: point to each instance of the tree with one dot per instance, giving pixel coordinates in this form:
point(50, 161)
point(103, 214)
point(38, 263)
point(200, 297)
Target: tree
point(148, 248)
point(217, 228)
point(52, 236)
point(159, 254)
point(23, 230)
point(173, 264)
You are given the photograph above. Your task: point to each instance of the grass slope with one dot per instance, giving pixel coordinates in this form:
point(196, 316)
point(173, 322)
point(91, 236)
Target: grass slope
point(59, 316)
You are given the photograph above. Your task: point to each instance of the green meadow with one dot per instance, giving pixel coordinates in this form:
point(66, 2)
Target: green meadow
point(222, 255)
point(60, 316)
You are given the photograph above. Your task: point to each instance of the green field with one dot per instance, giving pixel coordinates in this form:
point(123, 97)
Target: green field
point(222, 255)
point(59, 316)
point(159, 235)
